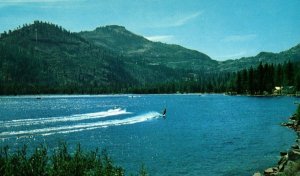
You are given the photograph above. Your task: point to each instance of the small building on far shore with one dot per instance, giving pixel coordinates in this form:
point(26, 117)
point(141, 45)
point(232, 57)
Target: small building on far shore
point(284, 90)
point(277, 90)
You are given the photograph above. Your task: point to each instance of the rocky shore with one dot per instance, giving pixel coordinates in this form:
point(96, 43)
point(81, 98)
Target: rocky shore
point(289, 162)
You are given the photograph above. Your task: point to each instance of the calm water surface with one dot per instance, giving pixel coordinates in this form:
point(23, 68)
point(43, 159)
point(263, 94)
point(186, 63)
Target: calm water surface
point(202, 134)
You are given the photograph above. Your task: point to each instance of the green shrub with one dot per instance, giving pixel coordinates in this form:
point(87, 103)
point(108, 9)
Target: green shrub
point(60, 163)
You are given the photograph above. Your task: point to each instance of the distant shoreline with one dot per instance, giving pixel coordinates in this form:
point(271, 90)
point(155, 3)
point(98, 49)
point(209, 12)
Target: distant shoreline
point(129, 94)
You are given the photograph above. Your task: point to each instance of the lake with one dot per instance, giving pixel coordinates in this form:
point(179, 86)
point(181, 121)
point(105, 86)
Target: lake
point(207, 134)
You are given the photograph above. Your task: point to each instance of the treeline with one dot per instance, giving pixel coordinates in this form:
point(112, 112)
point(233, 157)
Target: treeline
point(264, 78)
point(60, 163)
point(193, 83)
point(260, 80)
point(253, 81)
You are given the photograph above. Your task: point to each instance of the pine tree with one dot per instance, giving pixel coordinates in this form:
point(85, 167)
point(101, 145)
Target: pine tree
point(289, 74)
point(260, 77)
point(239, 83)
point(244, 80)
point(279, 76)
point(251, 81)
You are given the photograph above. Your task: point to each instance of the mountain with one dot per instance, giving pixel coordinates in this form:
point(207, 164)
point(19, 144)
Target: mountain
point(46, 58)
point(292, 55)
point(126, 43)
point(45, 55)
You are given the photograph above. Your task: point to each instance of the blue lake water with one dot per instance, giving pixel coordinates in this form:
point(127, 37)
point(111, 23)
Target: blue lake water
point(202, 134)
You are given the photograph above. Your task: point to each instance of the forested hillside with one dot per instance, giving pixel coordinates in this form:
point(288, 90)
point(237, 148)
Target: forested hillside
point(259, 80)
point(126, 43)
point(46, 58)
point(292, 55)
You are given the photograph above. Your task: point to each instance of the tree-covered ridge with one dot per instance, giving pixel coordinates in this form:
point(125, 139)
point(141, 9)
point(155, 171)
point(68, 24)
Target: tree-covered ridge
point(116, 38)
point(126, 43)
point(46, 58)
point(292, 55)
point(42, 32)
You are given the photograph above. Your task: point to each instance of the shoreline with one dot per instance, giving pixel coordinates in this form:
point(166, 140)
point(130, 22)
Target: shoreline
point(125, 94)
point(289, 162)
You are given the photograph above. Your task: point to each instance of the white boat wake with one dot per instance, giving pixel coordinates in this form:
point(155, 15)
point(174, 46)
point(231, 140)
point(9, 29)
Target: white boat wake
point(76, 117)
point(82, 126)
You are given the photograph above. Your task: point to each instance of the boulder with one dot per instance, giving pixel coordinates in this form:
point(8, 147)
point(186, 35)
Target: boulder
point(288, 124)
point(275, 169)
point(283, 153)
point(282, 162)
point(294, 154)
point(268, 171)
point(257, 174)
point(295, 146)
point(283, 159)
point(293, 117)
point(281, 167)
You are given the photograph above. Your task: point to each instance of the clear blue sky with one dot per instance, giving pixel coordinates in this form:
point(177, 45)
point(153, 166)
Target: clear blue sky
point(223, 29)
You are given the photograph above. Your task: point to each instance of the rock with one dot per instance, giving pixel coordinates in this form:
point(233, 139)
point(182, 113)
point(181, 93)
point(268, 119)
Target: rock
point(293, 117)
point(257, 174)
point(285, 124)
point(271, 171)
point(289, 161)
point(282, 162)
point(283, 153)
point(275, 169)
point(268, 171)
point(283, 159)
point(288, 124)
point(281, 167)
point(295, 146)
point(294, 155)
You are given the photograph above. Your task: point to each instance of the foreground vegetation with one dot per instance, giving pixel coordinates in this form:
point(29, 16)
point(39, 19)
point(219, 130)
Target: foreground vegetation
point(59, 163)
